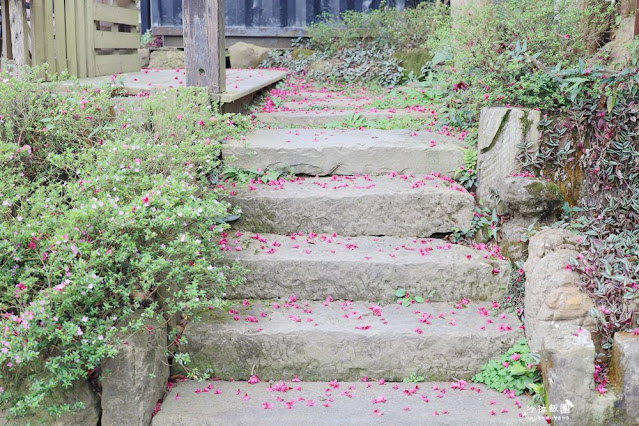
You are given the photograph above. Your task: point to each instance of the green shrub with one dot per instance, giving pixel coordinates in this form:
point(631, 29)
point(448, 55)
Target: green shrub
point(99, 211)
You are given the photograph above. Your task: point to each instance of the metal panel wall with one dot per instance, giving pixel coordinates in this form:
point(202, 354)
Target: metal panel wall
point(271, 17)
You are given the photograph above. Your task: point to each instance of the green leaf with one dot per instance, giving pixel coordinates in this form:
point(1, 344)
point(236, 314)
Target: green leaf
point(400, 292)
point(419, 299)
point(518, 369)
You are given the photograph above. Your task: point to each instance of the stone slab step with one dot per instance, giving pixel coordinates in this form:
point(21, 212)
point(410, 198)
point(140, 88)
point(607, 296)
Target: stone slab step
point(351, 205)
point(362, 268)
point(317, 152)
point(341, 403)
point(330, 103)
point(321, 118)
point(320, 341)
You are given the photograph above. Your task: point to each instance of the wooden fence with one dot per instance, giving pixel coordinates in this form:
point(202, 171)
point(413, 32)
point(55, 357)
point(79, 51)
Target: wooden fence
point(86, 37)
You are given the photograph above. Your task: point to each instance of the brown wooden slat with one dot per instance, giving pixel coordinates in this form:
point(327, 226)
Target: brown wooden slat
point(81, 37)
point(7, 51)
point(72, 58)
point(116, 40)
point(113, 64)
point(60, 36)
point(38, 31)
point(49, 49)
point(119, 15)
point(90, 39)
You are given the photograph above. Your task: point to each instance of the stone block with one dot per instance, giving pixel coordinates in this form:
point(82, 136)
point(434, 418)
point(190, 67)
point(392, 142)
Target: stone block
point(531, 197)
point(356, 206)
point(134, 381)
point(246, 55)
point(80, 392)
point(502, 133)
point(624, 376)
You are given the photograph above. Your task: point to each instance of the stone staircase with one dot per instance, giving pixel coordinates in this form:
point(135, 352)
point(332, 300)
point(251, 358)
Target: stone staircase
point(325, 256)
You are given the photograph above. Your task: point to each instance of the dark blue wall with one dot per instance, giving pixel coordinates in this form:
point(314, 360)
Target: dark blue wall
point(268, 14)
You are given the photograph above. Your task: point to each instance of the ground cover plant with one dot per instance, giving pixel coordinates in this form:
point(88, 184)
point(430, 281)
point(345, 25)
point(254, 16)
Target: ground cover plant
point(101, 208)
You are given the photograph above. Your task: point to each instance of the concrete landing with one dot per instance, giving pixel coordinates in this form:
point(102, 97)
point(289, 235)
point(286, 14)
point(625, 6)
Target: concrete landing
point(239, 82)
point(341, 403)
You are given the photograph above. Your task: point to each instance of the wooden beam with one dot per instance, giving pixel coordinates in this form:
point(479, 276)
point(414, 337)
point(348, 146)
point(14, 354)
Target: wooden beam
point(7, 52)
point(19, 32)
point(204, 44)
point(637, 19)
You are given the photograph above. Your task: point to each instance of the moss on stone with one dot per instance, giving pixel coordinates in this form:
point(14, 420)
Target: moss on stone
point(302, 53)
point(413, 60)
point(540, 191)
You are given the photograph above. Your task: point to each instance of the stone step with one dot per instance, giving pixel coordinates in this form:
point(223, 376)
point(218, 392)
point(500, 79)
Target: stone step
point(330, 340)
point(340, 403)
point(317, 152)
point(321, 117)
point(329, 103)
point(362, 268)
point(350, 205)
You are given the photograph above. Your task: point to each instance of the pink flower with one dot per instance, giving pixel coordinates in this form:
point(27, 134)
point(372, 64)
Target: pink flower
point(380, 400)
point(246, 397)
point(254, 379)
point(515, 357)
point(267, 405)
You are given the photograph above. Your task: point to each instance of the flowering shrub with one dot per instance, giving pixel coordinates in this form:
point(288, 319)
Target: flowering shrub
point(100, 209)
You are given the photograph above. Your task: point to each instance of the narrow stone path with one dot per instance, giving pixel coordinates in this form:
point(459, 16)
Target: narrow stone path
point(326, 252)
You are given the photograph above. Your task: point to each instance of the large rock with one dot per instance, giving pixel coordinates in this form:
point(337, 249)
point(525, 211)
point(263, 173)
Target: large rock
point(362, 268)
point(502, 132)
point(167, 59)
point(526, 196)
point(553, 294)
point(353, 206)
point(246, 55)
point(322, 152)
point(567, 359)
point(347, 341)
point(624, 375)
point(134, 381)
point(413, 60)
point(80, 392)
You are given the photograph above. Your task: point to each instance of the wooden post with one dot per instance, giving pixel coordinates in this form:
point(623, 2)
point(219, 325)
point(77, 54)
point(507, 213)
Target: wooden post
point(204, 44)
point(637, 19)
point(19, 31)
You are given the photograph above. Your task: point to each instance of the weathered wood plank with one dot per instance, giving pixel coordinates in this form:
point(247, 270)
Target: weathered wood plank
point(37, 30)
point(119, 15)
point(90, 28)
point(204, 44)
point(7, 51)
point(116, 40)
point(19, 32)
point(60, 36)
point(72, 49)
point(49, 49)
point(113, 64)
point(81, 37)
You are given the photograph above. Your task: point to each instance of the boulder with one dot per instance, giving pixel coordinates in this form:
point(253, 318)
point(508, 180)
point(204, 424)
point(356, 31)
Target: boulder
point(549, 240)
point(413, 60)
point(567, 360)
point(168, 59)
point(624, 376)
point(527, 196)
point(321, 66)
point(553, 294)
point(134, 381)
point(502, 133)
point(246, 55)
point(514, 240)
point(80, 392)
point(302, 53)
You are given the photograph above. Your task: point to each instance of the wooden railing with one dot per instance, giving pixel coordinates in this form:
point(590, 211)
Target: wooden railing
point(86, 37)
